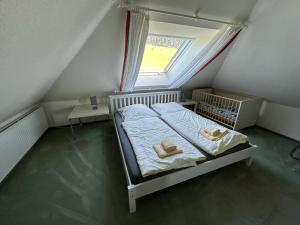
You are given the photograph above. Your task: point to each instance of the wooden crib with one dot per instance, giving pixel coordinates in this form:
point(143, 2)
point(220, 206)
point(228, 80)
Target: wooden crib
point(234, 110)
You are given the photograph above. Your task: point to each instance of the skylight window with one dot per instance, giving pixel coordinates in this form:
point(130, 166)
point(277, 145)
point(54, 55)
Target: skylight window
point(169, 50)
point(160, 52)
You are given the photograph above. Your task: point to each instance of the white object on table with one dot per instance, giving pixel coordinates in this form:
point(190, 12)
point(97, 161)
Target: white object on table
point(85, 111)
point(188, 102)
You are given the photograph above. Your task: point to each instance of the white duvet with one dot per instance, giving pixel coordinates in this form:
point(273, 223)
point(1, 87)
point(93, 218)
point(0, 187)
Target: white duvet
point(144, 133)
point(188, 124)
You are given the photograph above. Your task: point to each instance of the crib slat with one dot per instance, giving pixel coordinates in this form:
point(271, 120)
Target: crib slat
point(215, 103)
point(223, 114)
point(233, 110)
point(206, 101)
point(223, 103)
point(231, 113)
point(227, 115)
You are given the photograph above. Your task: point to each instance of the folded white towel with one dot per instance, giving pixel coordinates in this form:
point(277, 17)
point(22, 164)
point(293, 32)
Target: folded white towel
point(162, 153)
point(212, 130)
point(168, 145)
point(214, 133)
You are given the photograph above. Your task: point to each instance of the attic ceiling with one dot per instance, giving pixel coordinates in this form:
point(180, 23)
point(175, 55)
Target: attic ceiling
point(264, 60)
point(38, 39)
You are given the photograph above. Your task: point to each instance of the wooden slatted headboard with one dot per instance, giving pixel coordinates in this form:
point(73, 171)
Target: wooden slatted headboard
point(148, 98)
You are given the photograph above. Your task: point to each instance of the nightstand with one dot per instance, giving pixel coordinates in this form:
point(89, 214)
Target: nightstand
point(190, 104)
point(85, 111)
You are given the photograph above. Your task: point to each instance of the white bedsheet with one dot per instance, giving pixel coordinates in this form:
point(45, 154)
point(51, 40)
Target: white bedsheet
point(144, 133)
point(188, 124)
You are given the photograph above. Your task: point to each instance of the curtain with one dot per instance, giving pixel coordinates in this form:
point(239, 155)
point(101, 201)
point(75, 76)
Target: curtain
point(137, 27)
point(207, 55)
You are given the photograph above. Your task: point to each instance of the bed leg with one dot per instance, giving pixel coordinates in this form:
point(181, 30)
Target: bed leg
point(131, 199)
point(249, 161)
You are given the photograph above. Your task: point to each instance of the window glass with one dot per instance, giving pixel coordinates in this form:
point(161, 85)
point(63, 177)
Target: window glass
point(169, 50)
point(159, 53)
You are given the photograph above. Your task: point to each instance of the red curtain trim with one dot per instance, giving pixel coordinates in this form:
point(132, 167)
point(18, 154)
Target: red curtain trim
point(219, 53)
point(126, 48)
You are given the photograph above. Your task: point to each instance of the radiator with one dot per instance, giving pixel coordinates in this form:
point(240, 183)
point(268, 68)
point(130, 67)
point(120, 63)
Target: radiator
point(18, 137)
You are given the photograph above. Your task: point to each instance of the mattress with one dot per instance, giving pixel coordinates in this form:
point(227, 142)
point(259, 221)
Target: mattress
point(131, 161)
point(189, 124)
point(146, 132)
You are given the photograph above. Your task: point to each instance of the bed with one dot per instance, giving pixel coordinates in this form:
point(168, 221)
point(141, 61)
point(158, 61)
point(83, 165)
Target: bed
point(138, 185)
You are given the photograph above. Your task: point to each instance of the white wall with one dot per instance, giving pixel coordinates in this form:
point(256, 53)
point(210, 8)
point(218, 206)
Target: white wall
point(57, 111)
point(17, 140)
point(206, 77)
point(37, 40)
point(281, 119)
point(264, 61)
point(265, 58)
point(96, 69)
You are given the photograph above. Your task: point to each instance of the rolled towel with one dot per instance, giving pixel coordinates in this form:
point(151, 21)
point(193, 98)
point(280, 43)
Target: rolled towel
point(168, 145)
point(212, 130)
point(222, 132)
point(162, 153)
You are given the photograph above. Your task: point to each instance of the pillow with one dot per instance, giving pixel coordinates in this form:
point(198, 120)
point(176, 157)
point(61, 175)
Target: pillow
point(136, 111)
point(170, 107)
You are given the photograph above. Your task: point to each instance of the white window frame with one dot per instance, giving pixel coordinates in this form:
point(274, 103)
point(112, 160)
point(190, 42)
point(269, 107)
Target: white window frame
point(178, 54)
point(161, 79)
point(182, 48)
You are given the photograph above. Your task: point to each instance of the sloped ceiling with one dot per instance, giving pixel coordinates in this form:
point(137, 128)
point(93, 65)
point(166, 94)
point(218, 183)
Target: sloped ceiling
point(206, 77)
point(96, 69)
point(230, 10)
point(264, 60)
point(38, 38)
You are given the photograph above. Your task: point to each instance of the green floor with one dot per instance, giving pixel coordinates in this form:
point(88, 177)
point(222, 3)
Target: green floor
point(64, 181)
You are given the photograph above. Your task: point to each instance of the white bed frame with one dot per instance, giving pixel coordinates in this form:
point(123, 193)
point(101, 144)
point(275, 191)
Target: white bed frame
point(136, 191)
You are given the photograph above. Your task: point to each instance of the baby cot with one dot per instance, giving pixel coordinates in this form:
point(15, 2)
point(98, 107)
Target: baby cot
point(234, 110)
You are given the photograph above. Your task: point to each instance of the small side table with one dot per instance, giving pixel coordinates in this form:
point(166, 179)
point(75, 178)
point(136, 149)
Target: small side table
point(190, 103)
point(84, 111)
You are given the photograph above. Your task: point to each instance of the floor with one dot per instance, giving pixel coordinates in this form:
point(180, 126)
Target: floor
point(66, 181)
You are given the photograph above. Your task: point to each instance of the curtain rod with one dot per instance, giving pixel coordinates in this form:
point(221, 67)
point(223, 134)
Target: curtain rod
point(178, 14)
